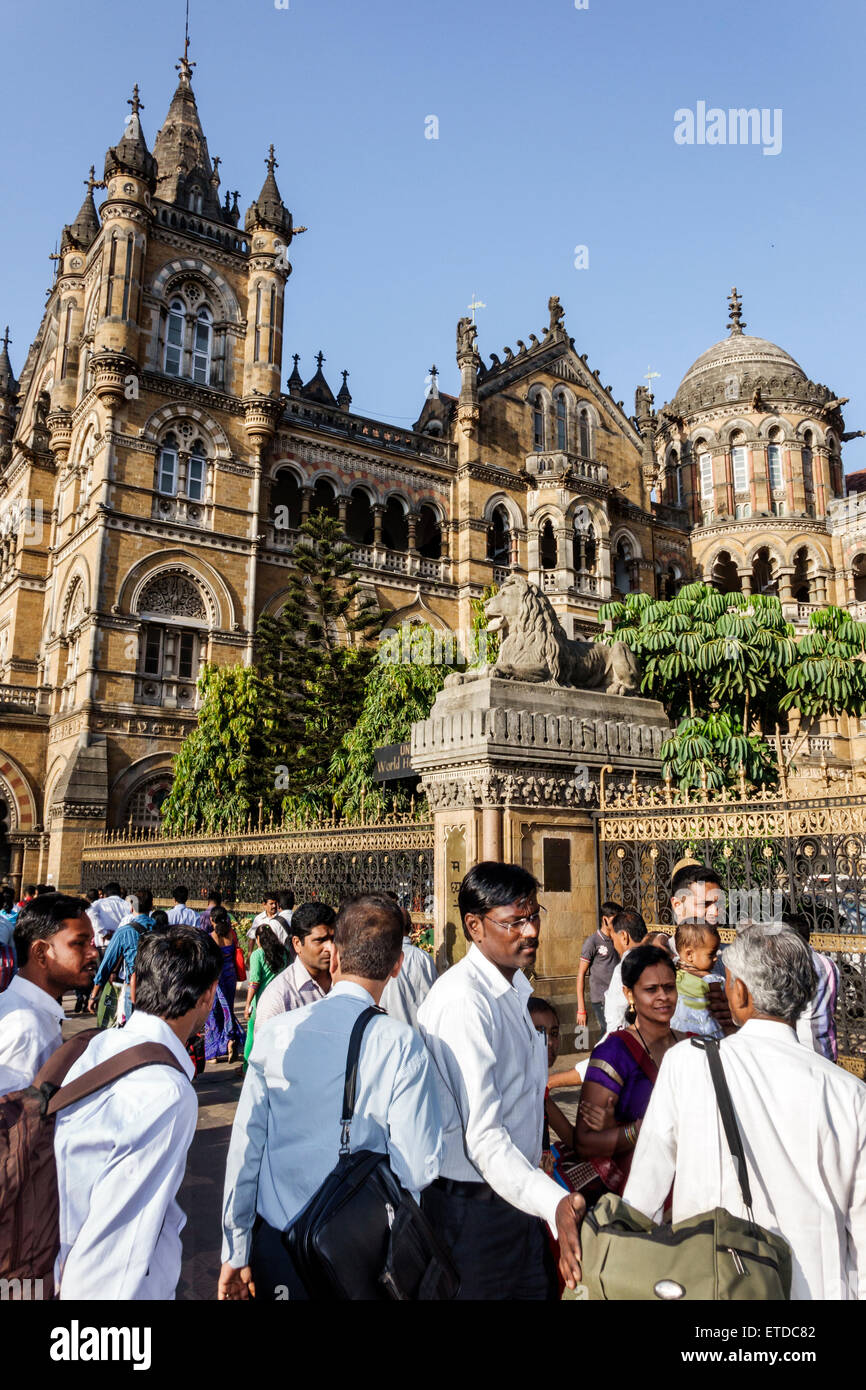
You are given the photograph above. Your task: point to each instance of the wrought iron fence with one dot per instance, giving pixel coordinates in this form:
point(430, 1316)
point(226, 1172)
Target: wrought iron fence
point(772, 854)
point(325, 862)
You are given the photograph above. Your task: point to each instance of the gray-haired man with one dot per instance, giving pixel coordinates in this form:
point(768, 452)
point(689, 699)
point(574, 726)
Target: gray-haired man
point(802, 1121)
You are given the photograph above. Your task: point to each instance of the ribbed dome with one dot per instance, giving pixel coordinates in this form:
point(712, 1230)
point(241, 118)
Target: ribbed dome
point(741, 353)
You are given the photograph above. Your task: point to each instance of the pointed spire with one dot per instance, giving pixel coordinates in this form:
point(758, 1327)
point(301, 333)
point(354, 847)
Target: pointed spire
point(344, 396)
point(8, 384)
point(735, 321)
point(269, 210)
point(186, 172)
point(131, 155)
point(296, 381)
point(317, 388)
point(85, 229)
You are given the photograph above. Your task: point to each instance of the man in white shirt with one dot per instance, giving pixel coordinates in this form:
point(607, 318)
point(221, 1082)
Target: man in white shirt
point(403, 996)
point(180, 915)
point(54, 942)
point(628, 929)
point(278, 918)
point(121, 1153)
point(107, 913)
point(492, 1198)
point(802, 1122)
point(308, 978)
point(816, 1026)
point(286, 1134)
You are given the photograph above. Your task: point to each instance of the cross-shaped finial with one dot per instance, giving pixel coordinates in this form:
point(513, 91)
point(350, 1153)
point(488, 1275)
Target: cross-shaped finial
point(476, 304)
point(92, 181)
point(271, 161)
point(185, 67)
point(320, 358)
point(345, 375)
point(649, 375)
point(135, 102)
point(6, 339)
point(216, 164)
point(735, 321)
point(434, 371)
point(296, 357)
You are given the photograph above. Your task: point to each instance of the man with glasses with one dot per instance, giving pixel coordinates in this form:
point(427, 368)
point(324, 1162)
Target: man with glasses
point(492, 1199)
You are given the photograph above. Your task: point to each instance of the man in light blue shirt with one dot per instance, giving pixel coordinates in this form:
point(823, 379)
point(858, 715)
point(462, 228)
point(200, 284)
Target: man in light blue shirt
point(286, 1134)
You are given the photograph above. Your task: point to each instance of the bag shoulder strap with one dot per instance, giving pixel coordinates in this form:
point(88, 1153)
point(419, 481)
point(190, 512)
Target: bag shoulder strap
point(351, 1082)
point(129, 1060)
point(729, 1120)
point(53, 1071)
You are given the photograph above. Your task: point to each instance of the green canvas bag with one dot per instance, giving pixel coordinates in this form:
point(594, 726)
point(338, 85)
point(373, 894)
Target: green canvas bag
point(714, 1256)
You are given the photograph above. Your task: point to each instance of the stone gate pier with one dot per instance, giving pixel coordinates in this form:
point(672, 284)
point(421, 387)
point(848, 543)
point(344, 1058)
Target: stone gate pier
point(511, 770)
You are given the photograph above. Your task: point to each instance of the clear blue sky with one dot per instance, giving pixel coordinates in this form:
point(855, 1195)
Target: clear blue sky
point(555, 129)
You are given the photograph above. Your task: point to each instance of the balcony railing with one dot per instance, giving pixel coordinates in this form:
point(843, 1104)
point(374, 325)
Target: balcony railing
point(375, 557)
point(552, 465)
point(808, 746)
point(26, 699)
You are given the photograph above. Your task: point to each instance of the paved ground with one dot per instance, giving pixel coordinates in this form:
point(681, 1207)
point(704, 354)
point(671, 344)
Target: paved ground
point(200, 1197)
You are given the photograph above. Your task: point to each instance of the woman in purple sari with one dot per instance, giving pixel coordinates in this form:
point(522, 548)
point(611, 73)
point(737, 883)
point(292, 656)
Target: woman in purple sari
point(223, 1035)
point(623, 1067)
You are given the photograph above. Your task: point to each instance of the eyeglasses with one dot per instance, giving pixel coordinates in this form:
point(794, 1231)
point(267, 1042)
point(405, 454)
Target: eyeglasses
point(520, 923)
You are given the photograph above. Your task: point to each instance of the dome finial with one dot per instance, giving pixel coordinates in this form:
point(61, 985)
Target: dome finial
point(135, 101)
point(735, 322)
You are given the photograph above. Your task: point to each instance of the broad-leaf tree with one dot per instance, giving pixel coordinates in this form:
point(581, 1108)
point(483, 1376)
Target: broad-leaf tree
point(829, 675)
point(225, 765)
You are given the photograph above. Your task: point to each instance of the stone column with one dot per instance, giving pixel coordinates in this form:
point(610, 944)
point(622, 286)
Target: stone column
point(306, 499)
point(491, 832)
point(342, 509)
point(746, 579)
point(378, 514)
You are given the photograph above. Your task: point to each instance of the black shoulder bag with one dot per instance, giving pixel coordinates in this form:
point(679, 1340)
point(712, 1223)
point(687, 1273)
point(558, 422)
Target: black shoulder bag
point(362, 1235)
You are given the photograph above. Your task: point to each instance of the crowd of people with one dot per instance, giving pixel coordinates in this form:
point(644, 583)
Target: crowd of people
point(455, 1081)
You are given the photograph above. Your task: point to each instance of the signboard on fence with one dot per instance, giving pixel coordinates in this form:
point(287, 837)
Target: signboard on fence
point(392, 763)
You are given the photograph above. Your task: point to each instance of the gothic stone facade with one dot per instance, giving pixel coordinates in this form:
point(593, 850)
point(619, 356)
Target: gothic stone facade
point(153, 475)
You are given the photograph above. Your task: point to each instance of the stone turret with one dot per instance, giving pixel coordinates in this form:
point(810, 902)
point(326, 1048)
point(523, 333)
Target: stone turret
point(268, 225)
point(130, 177)
point(8, 399)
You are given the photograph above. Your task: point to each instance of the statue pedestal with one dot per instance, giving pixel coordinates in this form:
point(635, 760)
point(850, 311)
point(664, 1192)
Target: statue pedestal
point(511, 772)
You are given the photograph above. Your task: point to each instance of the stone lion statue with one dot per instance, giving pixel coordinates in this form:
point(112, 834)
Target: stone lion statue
point(535, 648)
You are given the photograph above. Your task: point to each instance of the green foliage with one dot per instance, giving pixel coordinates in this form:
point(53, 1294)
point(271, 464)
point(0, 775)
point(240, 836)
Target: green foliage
point(726, 666)
point(309, 680)
point(829, 676)
point(704, 650)
point(400, 689)
point(484, 642)
point(710, 751)
point(224, 764)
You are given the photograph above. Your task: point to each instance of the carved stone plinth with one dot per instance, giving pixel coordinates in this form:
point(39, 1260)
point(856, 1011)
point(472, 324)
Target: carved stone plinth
point(511, 771)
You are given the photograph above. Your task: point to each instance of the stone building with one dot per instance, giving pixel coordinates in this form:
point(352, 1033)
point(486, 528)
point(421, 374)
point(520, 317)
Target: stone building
point(154, 470)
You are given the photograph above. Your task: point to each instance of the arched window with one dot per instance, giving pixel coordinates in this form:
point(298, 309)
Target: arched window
point(499, 538)
point(584, 434)
point(561, 423)
point(538, 425)
point(668, 580)
point(395, 526)
point(774, 462)
point(172, 643)
point(740, 467)
point(201, 351)
point(286, 501)
point(623, 567)
point(801, 586)
point(808, 471)
point(324, 498)
point(359, 518)
point(195, 477)
point(763, 575)
point(725, 576)
point(168, 466)
point(428, 533)
point(705, 470)
point(858, 569)
point(548, 550)
point(174, 333)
